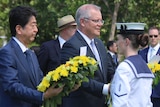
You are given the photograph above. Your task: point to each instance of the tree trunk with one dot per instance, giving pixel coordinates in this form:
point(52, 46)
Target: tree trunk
point(114, 20)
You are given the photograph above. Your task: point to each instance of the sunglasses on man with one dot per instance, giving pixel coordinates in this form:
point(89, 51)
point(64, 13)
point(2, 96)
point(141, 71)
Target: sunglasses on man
point(151, 36)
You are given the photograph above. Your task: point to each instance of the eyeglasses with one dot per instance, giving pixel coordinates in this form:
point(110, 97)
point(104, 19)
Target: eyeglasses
point(155, 36)
point(95, 21)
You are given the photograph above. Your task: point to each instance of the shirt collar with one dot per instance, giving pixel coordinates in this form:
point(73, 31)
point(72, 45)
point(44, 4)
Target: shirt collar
point(156, 47)
point(23, 48)
point(111, 53)
point(61, 40)
point(88, 40)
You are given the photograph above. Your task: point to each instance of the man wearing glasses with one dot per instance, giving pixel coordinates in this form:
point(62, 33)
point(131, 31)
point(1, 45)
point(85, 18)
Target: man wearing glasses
point(85, 42)
point(147, 54)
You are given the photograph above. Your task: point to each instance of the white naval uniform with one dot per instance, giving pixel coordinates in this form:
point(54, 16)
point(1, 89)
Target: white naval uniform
point(130, 89)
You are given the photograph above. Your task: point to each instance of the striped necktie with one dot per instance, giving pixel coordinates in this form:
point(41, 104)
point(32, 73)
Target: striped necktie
point(95, 52)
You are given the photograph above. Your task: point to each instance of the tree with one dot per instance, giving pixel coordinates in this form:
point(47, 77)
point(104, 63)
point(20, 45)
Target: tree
point(146, 11)
point(113, 17)
point(48, 14)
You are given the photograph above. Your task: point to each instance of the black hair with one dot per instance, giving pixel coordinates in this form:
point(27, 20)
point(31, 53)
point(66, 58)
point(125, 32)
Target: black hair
point(20, 15)
point(110, 43)
point(137, 39)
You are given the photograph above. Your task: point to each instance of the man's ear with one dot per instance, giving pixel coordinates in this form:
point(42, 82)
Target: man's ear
point(111, 47)
point(82, 22)
point(18, 29)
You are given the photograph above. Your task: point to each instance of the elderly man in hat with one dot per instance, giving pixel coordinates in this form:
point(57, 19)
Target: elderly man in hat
point(49, 54)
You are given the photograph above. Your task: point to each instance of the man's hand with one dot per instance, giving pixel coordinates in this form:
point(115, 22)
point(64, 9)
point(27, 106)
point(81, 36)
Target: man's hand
point(76, 86)
point(52, 91)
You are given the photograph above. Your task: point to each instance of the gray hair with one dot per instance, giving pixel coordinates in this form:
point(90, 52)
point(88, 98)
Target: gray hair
point(84, 12)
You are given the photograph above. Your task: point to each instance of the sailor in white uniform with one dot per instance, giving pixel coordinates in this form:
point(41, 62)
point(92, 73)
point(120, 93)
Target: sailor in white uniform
point(132, 83)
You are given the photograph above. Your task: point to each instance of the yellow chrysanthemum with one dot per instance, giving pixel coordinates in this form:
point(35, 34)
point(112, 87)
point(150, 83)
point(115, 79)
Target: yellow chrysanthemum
point(55, 76)
point(75, 64)
point(68, 63)
point(157, 67)
point(49, 75)
point(64, 73)
point(153, 70)
point(58, 70)
point(154, 67)
point(84, 63)
point(83, 58)
point(44, 84)
point(93, 61)
point(41, 88)
point(149, 66)
point(80, 62)
point(77, 57)
point(74, 69)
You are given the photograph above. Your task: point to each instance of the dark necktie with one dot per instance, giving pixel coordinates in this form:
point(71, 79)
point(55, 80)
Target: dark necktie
point(28, 54)
point(115, 59)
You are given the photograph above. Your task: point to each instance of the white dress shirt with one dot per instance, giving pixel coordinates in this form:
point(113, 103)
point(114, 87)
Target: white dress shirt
point(20, 44)
point(61, 41)
point(106, 86)
point(152, 51)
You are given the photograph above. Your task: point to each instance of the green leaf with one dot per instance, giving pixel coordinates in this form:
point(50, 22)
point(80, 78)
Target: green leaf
point(85, 79)
point(79, 75)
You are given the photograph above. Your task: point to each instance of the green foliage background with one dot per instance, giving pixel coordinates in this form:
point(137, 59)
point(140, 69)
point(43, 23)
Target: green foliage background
point(49, 11)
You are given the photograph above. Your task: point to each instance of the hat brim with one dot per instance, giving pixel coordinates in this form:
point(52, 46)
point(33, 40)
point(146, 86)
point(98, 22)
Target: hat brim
point(130, 28)
point(67, 25)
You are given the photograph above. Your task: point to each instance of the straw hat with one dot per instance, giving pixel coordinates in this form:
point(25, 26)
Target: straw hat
point(65, 22)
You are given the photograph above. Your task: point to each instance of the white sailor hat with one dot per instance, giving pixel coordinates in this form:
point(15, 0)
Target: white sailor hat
point(130, 28)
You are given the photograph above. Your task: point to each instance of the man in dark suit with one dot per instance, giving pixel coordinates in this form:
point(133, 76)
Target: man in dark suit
point(147, 54)
point(18, 77)
point(49, 54)
point(85, 42)
point(112, 53)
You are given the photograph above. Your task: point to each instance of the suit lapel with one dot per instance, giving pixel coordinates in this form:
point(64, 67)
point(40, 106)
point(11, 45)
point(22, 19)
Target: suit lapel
point(84, 43)
point(57, 47)
point(21, 57)
point(99, 52)
point(146, 54)
point(111, 58)
point(158, 52)
point(89, 51)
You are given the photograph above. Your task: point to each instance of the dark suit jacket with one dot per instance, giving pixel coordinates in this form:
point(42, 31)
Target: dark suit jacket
point(156, 90)
point(18, 83)
point(144, 53)
point(49, 55)
point(90, 93)
point(110, 74)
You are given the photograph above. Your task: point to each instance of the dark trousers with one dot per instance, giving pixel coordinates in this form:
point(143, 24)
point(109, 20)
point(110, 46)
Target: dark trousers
point(156, 102)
